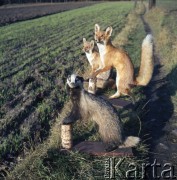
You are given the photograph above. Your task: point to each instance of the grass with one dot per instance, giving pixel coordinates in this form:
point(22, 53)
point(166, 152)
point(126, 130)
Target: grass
point(44, 52)
point(164, 28)
point(166, 4)
point(35, 58)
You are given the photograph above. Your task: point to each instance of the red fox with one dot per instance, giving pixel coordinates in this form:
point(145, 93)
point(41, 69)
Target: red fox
point(93, 57)
point(120, 60)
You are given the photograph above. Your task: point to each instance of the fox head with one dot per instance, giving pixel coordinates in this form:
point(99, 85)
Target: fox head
point(88, 46)
point(102, 37)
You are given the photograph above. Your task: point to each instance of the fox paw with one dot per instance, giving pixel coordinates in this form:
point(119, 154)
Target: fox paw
point(116, 95)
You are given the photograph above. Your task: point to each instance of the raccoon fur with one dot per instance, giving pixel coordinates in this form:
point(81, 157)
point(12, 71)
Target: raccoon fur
point(86, 106)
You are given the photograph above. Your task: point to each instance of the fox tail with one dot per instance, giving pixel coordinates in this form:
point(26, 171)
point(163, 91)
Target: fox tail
point(147, 62)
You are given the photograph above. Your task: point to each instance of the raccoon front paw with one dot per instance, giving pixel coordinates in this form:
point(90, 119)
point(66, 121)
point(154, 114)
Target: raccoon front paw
point(67, 121)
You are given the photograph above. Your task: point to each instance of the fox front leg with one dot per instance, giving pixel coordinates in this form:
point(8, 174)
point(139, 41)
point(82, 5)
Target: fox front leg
point(93, 71)
point(98, 71)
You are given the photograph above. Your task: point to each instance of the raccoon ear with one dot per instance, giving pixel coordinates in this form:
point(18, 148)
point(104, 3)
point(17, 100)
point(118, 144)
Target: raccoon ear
point(84, 40)
point(109, 31)
point(97, 28)
point(92, 44)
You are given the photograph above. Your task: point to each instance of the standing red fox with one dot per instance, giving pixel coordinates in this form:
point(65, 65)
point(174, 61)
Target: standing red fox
point(120, 60)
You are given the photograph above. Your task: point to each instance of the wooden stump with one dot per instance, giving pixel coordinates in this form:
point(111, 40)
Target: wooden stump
point(92, 86)
point(66, 136)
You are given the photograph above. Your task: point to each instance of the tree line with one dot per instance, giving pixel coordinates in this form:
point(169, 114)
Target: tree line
point(3, 2)
point(152, 3)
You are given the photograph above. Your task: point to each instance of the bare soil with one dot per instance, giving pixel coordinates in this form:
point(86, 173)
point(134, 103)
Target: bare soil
point(13, 13)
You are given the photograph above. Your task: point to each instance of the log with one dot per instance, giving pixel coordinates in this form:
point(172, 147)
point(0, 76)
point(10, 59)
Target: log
point(98, 149)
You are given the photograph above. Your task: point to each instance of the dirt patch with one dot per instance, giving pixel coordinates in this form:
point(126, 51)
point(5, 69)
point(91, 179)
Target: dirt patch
point(11, 14)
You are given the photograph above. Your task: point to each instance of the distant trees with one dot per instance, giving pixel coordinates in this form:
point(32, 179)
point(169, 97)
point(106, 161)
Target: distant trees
point(26, 1)
point(152, 3)
point(2, 2)
point(5, 2)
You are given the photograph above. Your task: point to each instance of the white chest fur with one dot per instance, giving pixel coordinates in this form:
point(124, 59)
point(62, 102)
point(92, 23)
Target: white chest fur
point(90, 58)
point(102, 51)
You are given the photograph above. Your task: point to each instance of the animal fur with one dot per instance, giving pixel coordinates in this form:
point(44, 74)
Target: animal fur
point(87, 106)
point(94, 60)
point(147, 63)
point(120, 60)
point(92, 55)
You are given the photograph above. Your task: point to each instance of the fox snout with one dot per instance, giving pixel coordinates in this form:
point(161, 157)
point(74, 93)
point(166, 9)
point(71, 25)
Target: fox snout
point(85, 50)
point(99, 41)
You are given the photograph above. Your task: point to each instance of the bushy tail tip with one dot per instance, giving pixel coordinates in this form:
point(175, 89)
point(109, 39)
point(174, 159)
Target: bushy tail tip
point(147, 40)
point(130, 141)
point(147, 62)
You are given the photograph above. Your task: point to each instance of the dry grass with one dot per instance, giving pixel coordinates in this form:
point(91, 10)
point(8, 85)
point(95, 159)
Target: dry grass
point(133, 21)
point(123, 37)
point(164, 38)
point(164, 29)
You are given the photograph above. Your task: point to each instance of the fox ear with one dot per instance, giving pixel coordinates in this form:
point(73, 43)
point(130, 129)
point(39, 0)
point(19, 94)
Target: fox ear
point(92, 44)
point(84, 40)
point(109, 31)
point(97, 28)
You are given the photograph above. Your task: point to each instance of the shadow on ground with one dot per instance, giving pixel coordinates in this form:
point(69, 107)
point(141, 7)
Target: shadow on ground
point(158, 123)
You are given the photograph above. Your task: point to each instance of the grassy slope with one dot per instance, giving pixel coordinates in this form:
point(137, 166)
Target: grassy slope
point(34, 56)
point(164, 28)
point(46, 162)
